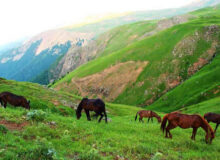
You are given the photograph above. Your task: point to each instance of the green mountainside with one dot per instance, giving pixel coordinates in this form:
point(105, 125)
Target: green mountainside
point(172, 56)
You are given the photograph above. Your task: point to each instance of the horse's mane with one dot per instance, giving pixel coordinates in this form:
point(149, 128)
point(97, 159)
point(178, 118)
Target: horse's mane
point(79, 108)
point(203, 119)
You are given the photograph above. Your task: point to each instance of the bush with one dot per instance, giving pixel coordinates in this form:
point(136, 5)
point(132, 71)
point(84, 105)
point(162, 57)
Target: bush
point(36, 115)
point(3, 129)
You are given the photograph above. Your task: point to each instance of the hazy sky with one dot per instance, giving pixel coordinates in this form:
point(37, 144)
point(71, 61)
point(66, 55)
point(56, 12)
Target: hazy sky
point(21, 18)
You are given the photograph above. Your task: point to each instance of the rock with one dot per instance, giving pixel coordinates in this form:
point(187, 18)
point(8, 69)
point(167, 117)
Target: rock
point(52, 123)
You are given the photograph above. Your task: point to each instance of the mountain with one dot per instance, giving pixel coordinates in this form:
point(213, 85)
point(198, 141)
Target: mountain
point(11, 45)
point(37, 54)
point(141, 72)
point(78, 54)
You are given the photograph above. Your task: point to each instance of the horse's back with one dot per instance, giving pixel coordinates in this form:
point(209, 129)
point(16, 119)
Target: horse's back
point(12, 98)
point(145, 113)
point(214, 117)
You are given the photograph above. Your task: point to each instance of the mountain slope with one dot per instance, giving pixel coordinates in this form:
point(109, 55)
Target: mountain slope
point(109, 42)
point(38, 54)
point(172, 56)
point(203, 85)
point(40, 97)
point(79, 55)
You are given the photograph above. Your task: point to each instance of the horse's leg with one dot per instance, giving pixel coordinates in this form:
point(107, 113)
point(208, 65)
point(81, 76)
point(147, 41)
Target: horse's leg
point(140, 119)
point(194, 133)
point(5, 103)
point(216, 127)
point(88, 115)
point(106, 119)
point(100, 117)
point(148, 120)
point(169, 127)
point(152, 119)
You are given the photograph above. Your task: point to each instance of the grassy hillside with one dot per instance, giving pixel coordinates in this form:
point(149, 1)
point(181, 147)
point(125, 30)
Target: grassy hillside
point(51, 135)
point(203, 85)
point(41, 97)
point(173, 56)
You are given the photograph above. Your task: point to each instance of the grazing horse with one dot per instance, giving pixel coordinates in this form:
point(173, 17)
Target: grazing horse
point(96, 105)
point(187, 121)
point(148, 114)
point(213, 117)
point(15, 100)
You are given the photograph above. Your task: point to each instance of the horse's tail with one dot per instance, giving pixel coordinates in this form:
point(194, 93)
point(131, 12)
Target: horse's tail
point(164, 122)
point(1, 101)
point(136, 115)
point(106, 119)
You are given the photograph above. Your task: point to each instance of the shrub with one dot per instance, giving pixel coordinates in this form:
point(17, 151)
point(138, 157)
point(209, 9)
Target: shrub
point(36, 115)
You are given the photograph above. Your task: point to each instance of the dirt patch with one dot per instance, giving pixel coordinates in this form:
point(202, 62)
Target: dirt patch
point(186, 46)
point(110, 82)
point(173, 83)
point(13, 125)
point(196, 66)
point(56, 102)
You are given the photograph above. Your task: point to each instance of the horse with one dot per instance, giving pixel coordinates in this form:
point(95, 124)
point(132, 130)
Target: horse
point(187, 121)
point(96, 105)
point(213, 117)
point(149, 114)
point(15, 100)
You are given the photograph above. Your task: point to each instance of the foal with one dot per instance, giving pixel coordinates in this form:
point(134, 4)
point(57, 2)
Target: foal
point(148, 114)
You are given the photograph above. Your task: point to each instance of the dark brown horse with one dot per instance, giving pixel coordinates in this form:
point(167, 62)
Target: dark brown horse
point(213, 117)
point(15, 100)
point(96, 105)
point(187, 121)
point(148, 114)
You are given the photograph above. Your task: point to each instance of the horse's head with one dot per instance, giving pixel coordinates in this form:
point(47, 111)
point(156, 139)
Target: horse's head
point(159, 119)
point(209, 134)
point(26, 105)
point(80, 107)
point(78, 114)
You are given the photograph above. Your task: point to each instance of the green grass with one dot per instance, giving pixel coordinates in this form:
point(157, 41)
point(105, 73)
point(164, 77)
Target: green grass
point(80, 139)
point(211, 105)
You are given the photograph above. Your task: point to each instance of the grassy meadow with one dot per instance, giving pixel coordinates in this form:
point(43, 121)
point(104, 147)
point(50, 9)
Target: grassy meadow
point(122, 138)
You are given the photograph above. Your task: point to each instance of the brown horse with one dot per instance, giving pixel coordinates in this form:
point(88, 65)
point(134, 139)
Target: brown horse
point(187, 121)
point(213, 117)
point(15, 100)
point(148, 114)
point(96, 105)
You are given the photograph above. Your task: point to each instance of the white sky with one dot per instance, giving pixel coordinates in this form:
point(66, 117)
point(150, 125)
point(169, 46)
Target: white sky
point(21, 18)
